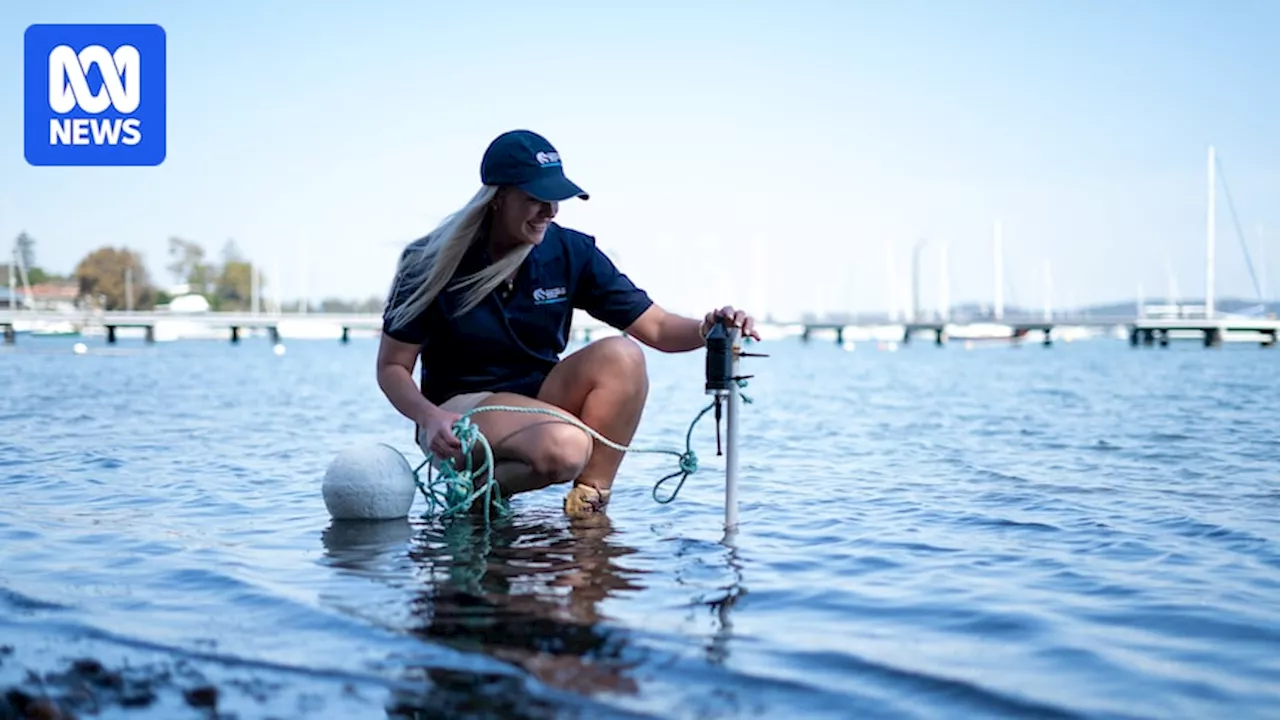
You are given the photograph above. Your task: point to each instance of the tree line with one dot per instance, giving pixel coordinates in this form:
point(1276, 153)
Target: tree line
point(227, 285)
point(106, 277)
point(117, 278)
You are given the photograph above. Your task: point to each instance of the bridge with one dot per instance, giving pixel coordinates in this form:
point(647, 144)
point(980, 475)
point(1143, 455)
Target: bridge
point(1212, 330)
point(1146, 330)
point(1008, 329)
point(1141, 330)
point(237, 323)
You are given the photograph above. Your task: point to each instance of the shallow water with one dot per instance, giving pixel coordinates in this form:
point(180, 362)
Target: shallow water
point(1088, 530)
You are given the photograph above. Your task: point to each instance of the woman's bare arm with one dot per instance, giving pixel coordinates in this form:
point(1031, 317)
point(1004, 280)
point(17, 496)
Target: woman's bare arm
point(396, 361)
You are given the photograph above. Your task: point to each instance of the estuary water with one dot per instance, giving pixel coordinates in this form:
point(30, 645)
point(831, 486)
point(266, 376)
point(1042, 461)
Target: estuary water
point(1087, 530)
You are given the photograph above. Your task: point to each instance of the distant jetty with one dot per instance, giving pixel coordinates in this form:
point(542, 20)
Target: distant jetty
point(153, 326)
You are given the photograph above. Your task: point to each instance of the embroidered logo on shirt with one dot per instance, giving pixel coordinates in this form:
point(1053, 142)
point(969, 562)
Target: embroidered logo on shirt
point(546, 296)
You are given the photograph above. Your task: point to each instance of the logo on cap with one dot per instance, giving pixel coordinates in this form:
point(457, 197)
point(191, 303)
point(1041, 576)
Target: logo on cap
point(524, 159)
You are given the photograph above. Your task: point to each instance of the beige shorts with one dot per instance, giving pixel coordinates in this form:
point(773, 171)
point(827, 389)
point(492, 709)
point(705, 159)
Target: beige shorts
point(458, 404)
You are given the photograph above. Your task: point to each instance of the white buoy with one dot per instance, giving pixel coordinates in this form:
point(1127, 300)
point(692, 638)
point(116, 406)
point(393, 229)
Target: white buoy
point(369, 482)
point(278, 349)
point(80, 348)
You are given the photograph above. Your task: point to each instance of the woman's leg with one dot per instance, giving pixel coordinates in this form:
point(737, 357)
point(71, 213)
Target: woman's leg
point(531, 451)
point(606, 385)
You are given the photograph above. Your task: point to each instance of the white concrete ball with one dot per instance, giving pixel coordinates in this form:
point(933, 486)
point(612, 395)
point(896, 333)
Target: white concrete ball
point(369, 482)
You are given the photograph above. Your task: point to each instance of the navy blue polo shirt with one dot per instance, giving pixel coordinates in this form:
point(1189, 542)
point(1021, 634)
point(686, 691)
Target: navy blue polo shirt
point(510, 343)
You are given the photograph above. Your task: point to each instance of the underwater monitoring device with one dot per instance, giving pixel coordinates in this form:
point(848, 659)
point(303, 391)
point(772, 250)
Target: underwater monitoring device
point(723, 342)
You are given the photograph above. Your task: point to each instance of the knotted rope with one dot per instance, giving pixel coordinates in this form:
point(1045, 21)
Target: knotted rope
point(456, 489)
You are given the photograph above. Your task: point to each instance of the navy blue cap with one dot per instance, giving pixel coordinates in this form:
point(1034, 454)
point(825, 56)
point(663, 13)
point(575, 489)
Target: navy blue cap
point(525, 159)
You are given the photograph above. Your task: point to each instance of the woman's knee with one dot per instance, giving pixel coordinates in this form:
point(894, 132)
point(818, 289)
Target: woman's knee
point(620, 349)
point(561, 453)
point(621, 358)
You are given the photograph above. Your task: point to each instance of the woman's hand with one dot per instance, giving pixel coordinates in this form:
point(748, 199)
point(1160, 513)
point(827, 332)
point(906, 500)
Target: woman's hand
point(438, 430)
point(737, 318)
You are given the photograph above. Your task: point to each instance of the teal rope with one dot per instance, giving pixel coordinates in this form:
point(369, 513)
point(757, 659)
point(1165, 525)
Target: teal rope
point(456, 489)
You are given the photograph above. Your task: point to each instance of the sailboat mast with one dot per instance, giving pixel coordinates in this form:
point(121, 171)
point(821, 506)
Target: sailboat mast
point(1262, 264)
point(998, 269)
point(891, 276)
point(944, 284)
point(22, 274)
point(1210, 239)
point(1048, 292)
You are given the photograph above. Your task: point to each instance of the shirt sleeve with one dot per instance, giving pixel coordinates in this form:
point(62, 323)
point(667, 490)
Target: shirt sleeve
point(415, 330)
point(607, 294)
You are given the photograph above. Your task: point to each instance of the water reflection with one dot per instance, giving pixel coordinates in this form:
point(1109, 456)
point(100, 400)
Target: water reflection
point(717, 650)
point(365, 547)
point(528, 591)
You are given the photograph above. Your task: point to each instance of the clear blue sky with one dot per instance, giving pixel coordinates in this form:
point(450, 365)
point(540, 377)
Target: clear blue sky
point(802, 138)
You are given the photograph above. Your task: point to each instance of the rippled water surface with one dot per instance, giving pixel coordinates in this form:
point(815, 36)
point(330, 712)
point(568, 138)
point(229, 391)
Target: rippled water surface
point(1086, 530)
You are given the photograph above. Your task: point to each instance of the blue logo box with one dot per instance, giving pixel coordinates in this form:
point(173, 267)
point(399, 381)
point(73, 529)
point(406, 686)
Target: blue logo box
point(94, 95)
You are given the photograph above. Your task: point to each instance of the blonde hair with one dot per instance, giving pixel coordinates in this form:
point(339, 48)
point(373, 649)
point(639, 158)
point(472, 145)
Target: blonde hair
point(428, 263)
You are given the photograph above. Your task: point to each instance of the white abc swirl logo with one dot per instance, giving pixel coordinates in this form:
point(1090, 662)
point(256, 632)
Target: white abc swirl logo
point(69, 86)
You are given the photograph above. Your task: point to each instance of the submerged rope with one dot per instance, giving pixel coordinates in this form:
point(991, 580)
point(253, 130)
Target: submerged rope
point(456, 489)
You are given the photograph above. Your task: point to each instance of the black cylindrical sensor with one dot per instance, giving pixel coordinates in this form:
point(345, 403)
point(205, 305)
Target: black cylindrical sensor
point(719, 357)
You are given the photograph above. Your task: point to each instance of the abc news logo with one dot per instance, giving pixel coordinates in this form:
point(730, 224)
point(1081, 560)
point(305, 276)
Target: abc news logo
point(95, 95)
point(69, 89)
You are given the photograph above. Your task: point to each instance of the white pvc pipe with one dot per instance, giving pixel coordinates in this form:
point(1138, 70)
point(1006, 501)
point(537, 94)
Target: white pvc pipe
point(731, 439)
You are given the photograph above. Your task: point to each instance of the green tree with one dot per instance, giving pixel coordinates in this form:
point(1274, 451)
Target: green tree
point(102, 276)
point(371, 304)
point(25, 247)
point(234, 289)
point(188, 266)
point(337, 305)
